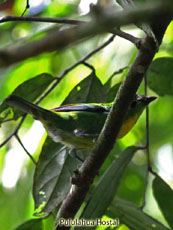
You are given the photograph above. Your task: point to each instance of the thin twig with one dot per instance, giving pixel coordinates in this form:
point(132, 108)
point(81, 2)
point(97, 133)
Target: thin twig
point(82, 60)
point(40, 19)
point(14, 132)
point(119, 71)
point(147, 127)
point(116, 31)
point(26, 8)
point(136, 41)
point(30, 156)
point(58, 40)
point(89, 66)
point(146, 147)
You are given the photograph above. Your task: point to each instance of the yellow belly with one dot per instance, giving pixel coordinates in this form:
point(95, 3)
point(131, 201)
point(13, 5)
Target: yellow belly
point(79, 142)
point(127, 126)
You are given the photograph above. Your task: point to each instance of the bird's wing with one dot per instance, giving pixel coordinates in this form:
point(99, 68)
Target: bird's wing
point(90, 107)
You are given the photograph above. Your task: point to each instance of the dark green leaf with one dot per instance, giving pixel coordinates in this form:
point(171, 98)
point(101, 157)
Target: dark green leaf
point(88, 90)
point(52, 176)
point(34, 87)
point(164, 197)
point(133, 184)
point(35, 224)
point(106, 189)
point(112, 92)
point(160, 76)
point(30, 90)
point(130, 215)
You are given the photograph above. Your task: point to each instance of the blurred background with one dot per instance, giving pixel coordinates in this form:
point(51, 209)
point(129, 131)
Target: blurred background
point(16, 169)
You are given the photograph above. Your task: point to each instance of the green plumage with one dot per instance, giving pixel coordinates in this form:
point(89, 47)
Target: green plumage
point(78, 125)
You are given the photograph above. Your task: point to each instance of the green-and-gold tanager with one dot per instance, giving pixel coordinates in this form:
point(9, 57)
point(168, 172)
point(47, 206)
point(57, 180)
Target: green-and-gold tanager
point(77, 125)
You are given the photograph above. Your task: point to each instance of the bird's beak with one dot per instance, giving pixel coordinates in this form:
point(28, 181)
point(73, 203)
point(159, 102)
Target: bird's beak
point(149, 99)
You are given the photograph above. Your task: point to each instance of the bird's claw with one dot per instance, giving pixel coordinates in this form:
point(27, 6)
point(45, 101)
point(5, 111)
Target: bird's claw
point(73, 153)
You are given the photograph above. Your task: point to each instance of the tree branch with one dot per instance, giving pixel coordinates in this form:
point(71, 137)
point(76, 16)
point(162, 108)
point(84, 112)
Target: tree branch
point(136, 41)
point(39, 19)
point(13, 133)
point(110, 131)
point(119, 71)
point(115, 31)
point(112, 126)
point(61, 39)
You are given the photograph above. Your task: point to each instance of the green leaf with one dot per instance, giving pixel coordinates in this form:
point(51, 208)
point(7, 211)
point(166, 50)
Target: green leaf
point(112, 92)
point(160, 76)
point(52, 176)
point(108, 185)
point(164, 197)
point(130, 215)
point(35, 224)
point(88, 90)
point(133, 183)
point(30, 90)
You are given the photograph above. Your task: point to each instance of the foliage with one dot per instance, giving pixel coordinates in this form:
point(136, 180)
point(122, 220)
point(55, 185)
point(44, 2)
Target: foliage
point(123, 184)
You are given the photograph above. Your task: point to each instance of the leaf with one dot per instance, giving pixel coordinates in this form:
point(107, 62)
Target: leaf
point(30, 90)
point(52, 176)
point(160, 76)
point(112, 92)
point(164, 197)
point(106, 189)
point(88, 90)
point(130, 215)
point(35, 224)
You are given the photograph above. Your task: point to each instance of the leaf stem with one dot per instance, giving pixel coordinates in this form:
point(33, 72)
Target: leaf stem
point(30, 156)
point(26, 8)
point(14, 132)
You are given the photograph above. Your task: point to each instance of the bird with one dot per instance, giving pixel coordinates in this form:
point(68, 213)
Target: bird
point(77, 126)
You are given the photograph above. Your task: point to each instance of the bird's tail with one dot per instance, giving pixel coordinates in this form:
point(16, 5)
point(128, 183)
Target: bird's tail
point(27, 107)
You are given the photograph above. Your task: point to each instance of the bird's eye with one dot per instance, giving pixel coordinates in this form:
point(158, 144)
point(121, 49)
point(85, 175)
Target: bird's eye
point(133, 104)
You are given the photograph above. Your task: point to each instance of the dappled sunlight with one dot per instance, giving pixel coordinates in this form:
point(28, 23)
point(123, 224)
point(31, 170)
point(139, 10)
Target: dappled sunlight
point(16, 156)
point(84, 6)
point(62, 54)
point(37, 6)
point(164, 161)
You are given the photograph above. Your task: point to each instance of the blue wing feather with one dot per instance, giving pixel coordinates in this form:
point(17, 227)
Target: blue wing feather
point(84, 107)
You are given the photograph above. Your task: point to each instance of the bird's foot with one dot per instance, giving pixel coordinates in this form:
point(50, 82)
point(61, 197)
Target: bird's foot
point(73, 153)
